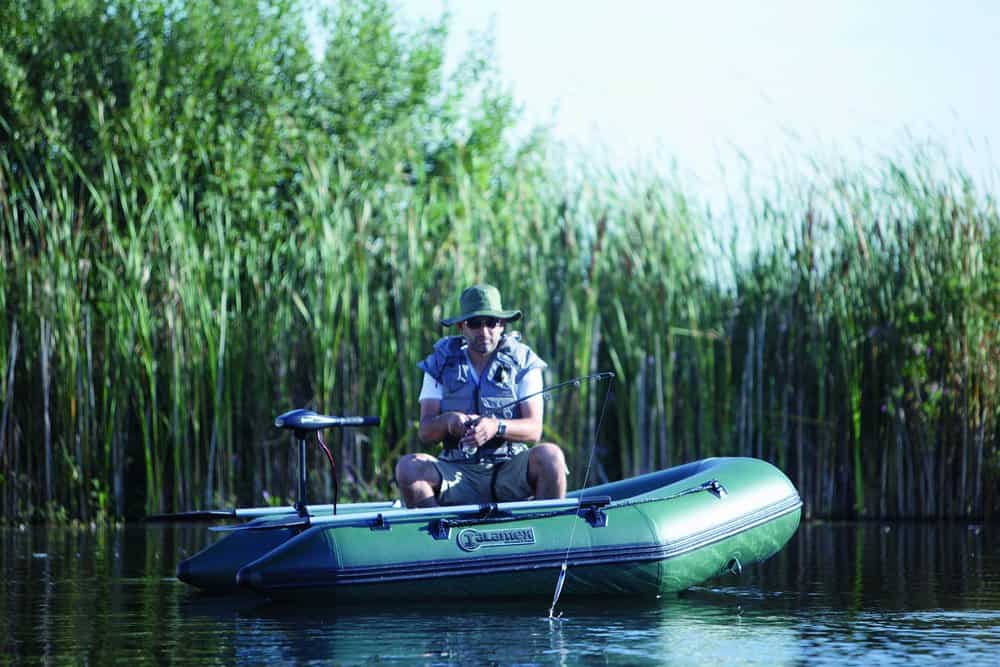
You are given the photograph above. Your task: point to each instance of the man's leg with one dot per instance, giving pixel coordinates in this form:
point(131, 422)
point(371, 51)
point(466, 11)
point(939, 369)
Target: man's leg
point(418, 479)
point(547, 471)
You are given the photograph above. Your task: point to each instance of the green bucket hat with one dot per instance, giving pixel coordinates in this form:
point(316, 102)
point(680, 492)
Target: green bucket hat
point(481, 301)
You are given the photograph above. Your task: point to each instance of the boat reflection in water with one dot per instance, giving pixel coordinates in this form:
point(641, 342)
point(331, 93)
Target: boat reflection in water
point(678, 630)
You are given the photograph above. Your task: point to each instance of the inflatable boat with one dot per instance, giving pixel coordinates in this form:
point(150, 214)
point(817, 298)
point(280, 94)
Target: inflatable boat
point(648, 535)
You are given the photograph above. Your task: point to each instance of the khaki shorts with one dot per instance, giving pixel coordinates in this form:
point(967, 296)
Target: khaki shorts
point(472, 483)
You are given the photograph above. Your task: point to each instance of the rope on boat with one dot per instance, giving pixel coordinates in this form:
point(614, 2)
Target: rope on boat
point(489, 515)
point(712, 486)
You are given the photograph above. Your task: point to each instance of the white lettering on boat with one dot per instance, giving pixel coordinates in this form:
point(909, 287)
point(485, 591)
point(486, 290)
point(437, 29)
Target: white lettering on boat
point(471, 539)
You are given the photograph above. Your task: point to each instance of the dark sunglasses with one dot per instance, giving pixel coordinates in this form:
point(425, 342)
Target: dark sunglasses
point(480, 322)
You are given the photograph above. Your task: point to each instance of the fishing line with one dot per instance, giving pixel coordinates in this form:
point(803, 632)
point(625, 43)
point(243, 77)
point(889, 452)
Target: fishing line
point(561, 580)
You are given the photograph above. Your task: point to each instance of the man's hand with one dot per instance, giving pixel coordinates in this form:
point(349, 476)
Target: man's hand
point(455, 422)
point(479, 431)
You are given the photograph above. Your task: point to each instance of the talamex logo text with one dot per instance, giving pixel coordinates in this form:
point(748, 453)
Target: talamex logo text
point(471, 539)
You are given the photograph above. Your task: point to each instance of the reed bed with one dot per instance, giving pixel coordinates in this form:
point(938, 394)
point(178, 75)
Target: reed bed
point(251, 231)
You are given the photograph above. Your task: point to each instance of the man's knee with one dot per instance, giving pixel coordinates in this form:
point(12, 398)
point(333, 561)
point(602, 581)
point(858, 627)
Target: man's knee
point(548, 459)
point(547, 471)
point(416, 468)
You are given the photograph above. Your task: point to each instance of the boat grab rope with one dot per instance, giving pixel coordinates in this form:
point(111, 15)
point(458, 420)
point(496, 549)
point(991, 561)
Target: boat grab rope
point(490, 514)
point(713, 486)
point(561, 580)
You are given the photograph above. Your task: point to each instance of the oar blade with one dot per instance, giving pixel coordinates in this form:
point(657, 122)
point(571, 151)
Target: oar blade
point(193, 515)
point(291, 522)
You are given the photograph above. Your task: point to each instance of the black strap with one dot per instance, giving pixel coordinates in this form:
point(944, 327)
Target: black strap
point(488, 452)
point(493, 480)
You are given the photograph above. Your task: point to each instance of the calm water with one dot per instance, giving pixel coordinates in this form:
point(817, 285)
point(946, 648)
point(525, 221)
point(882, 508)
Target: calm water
point(872, 593)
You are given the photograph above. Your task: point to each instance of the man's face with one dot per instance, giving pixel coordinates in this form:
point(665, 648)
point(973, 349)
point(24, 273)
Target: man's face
point(482, 333)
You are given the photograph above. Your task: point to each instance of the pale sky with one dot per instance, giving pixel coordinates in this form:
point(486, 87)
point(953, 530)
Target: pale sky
point(688, 81)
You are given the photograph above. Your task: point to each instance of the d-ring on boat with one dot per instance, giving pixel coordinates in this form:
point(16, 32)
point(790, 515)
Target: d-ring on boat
point(647, 535)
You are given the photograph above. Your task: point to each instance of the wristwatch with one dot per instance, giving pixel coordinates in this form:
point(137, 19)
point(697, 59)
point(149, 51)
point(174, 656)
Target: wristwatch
point(501, 429)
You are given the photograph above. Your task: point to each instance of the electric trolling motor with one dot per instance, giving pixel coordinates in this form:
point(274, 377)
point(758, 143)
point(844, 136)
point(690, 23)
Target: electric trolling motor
point(303, 422)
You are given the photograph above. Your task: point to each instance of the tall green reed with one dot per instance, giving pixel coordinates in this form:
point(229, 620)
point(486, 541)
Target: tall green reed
point(864, 365)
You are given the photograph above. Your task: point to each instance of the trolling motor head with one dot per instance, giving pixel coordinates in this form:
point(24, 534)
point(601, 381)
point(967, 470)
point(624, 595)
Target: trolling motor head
point(302, 422)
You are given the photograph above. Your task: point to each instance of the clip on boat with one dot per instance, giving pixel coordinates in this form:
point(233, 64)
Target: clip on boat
point(647, 535)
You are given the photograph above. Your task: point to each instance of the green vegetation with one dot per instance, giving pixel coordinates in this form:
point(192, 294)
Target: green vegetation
point(201, 226)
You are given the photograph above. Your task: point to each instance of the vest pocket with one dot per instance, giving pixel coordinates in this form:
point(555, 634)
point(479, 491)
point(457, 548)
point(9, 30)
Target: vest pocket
point(453, 377)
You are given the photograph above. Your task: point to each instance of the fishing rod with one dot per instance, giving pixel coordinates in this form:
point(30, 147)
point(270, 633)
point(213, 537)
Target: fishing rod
point(575, 382)
point(304, 421)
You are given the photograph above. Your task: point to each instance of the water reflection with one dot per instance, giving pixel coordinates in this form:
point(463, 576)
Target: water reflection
point(894, 593)
point(678, 630)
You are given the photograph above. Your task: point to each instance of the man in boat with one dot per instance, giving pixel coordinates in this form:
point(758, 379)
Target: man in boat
point(470, 380)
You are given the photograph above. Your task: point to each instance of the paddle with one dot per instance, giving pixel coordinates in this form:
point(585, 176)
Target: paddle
point(295, 521)
point(260, 512)
point(423, 513)
point(195, 515)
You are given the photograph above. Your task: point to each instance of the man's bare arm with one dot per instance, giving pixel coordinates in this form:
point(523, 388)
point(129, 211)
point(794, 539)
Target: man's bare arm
point(528, 428)
point(435, 426)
